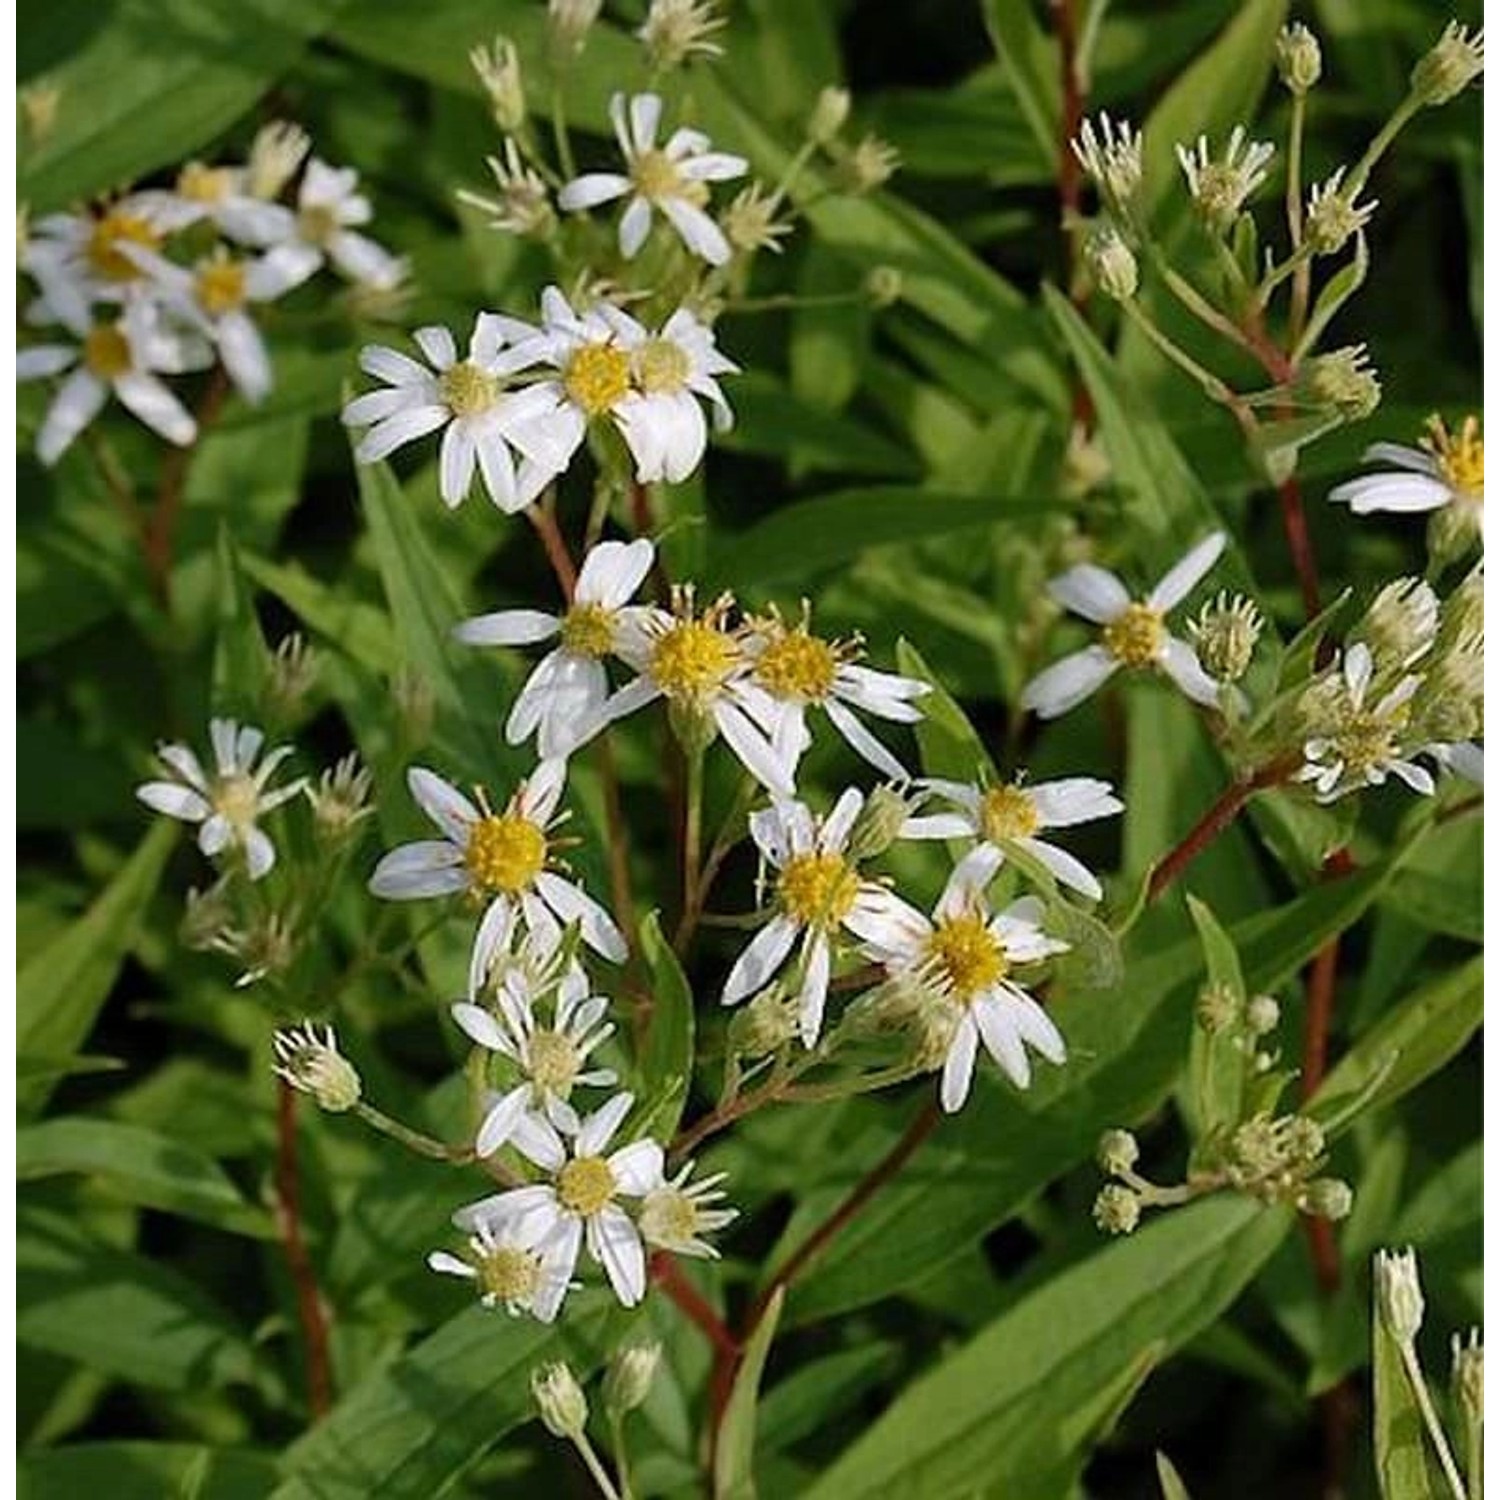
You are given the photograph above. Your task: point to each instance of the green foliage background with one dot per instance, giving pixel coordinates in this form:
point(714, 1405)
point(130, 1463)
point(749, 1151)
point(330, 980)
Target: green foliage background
point(971, 1333)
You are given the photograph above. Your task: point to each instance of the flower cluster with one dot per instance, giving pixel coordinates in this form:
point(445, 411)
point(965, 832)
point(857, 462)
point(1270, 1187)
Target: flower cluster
point(161, 282)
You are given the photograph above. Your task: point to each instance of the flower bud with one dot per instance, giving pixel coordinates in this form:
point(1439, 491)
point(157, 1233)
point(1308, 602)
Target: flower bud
point(1118, 1152)
point(569, 23)
point(1304, 1138)
point(1117, 1210)
point(1218, 1008)
point(1455, 61)
point(879, 823)
point(1398, 1293)
point(1299, 58)
point(883, 286)
point(628, 1380)
point(828, 116)
point(290, 677)
point(341, 799)
point(1400, 624)
point(1262, 1015)
point(1333, 216)
point(314, 1065)
point(1468, 1376)
point(560, 1401)
point(763, 1026)
point(870, 164)
point(499, 70)
point(1112, 264)
point(1453, 530)
point(675, 30)
point(1224, 636)
point(1085, 464)
point(1345, 381)
point(750, 222)
point(1327, 1198)
point(276, 153)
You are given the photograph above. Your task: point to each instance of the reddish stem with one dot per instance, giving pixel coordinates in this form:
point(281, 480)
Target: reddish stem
point(667, 1274)
point(1299, 544)
point(310, 1310)
point(542, 518)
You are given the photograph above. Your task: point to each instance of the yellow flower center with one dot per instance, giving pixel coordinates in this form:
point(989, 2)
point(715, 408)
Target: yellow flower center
point(1366, 741)
point(220, 286)
point(655, 175)
point(106, 352)
point(967, 954)
point(585, 1185)
point(118, 228)
point(237, 799)
point(662, 367)
point(554, 1062)
point(692, 659)
point(1135, 636)
point(509, 1274)
point(467, 391)
point(317, 223)
point(797, 665)
point(200, 184)
point(588, 630)
point(817, 890)
point(597, 377)
point(505, 853)
point(1459, 455)
point(669, 1217)
point(1006, 812)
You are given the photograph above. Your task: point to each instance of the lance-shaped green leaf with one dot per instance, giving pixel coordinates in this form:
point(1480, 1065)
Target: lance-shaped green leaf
point(240, 654)
point(949, 745)
point(1216, 1071)
point(1172, 1487)
point(145, 1471)
point(1404, 1464)
point(1029, 58)
point(734, 1457)
point(666, 1063)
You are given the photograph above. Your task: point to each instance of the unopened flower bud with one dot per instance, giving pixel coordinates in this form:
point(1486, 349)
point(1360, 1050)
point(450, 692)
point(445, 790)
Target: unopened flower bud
point(1112, 264)
point(1463, 609)
point(1118, 1152)
point(879, 823)
point(676, 30)
point(1333, 216)
point(1117, 1210)
point(275, 155)
point(290, 677)
point(1299, 58)
point(1262, 1015)
point(1398, 1293)
point(1453, 531)
point(1345, 381)
point(883, 286)
point(1468, 1376)
point(39, 103)
point(1218, 1008)
point(499, 70)
point(750, 222)
point(1304, 1139)
point(763, 1026)
point(314, 1065)
point(569, 23)
point(560, 1401)
point(1455, 61)
point(206, 918)
point(1401, 623)
point(870, 164)
point(1327, 1198)
point(1257, 1147)
point(628, 1380)
point(828, 116)
point(1224, 636)
point(341, 799)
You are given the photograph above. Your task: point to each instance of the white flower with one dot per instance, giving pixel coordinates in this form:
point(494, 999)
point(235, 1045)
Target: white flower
point(551, 1059)
point(499, 856)
point(673, 178)
point(581, 1201)
point(817, 893)
point(1447, 470)
point(1220, 188)
point(230, 801)
point(563, 700)
point(698, 663)
point(1362, 743)
point(224, 197)
point(675, 1215)
point(215, 297)
point(79, 258)
point(964, 954)
point(792, 670)
point(509, 1273)
point(121, 358)
point(323, 227)
point(1111, 155)
point(1013, 814)
point(1134, 634)
point(481, 420)
point(675, 30)
point(1464, 758)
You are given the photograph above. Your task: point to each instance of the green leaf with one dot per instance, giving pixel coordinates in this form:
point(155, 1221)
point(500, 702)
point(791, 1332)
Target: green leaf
point(995, 1413)
point(948, 743)
point(144, 1471)
point(61, 989)
point(240, 655)
point(1172, 1487)
point(1216, 1070)
point(1029, 58)
point(734, 1457)
point(666, 1065)
point(1404, 1467)
point(151, 82)
point(143, 1166)
point(120, 1313)
point(770, 419)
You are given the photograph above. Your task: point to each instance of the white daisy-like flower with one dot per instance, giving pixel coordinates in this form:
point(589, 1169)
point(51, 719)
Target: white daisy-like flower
point(80, 258)
point(1219, 186)
point(222, 196)
point(1110, 152)
point(1464, 759)
point(482, 420)
point(1447, 470)
point(817, 892)
point(697, 662)
point(673, 178)
point(1013, 814)
point(325, 227)
point(1134, 633)
point(581, 1201)
point(508, 1272)
point(123, 358)
point(793, 670)
point(676, 1214)
point(552, 1060)
point(562, 702)
point(215, 297)
point(498, 857)
point(964, 954)
point(229, 801)
point(1362, 743)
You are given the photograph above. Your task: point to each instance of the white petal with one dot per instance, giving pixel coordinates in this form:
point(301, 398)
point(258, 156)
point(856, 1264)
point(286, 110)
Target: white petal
point(839, 823)
point(753, 749)
point(507, 627)
point(456, 460)
point(571, 904)
point(958, 1066)
point(698, 231)
point(1392, 492)
point(421, 856)
point(813, 995)
point(616, 1244)
point(637, 1168)
point(499, 1124)
point(498, 470)
point(495, 929)
point(1068, 682)
point(1069, 871)
point(161, 411)
point(479, 1026)
point(443, 803)
point(613, 571)
point(437, 345)
point(864, 743)
point(938, 826)
point(214, 835)
point(592, 189)
point(602, 1124)
point(538, 1142)
point(245, 358)
point(400, 427)
point(1001, 1040)
point(1180, 662)
point(173, 799)
point(645, 117)
point(392, 366)
point(970, 879)
point(635, 225)
point(1092, 592)
point(1073, 800)
point(260, 853)
point(542, 790)
point(763, 956)
point(76, 404)
point(1036, 1026)
point(1182, 579)
point(376, 406)
point(42, 360)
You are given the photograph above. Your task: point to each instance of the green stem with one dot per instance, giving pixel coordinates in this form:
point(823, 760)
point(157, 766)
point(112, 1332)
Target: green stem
point(595, 1468)
point(1430, 1418)
point(1199, 305)
point(1302, 280)
point(1212, 386)
point(560, 134)
point(1377, 147)
point(413, 1140)
point(620, 1453)
point(692, 834)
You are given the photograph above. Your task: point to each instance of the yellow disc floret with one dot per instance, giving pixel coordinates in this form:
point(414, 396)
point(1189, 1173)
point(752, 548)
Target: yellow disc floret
point(509, 1274)
point(1006, 812)
point(585, 1185)
point(467, 391)
point(220, 286)
point(505, 853)
point(588, 630)
point(656, 176)
point(1135, 636)
point(797, 664)
point(691, 659)
point(968, 957)
point(236, 799)
point(662, 367)
point(109, 233)
point(317, 223)
point(669, 1217)
point(553, 1062)
point(597, 377)
point(817, 890)
point(106, 352)
point(1458, 455)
